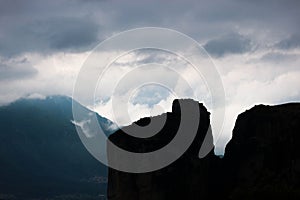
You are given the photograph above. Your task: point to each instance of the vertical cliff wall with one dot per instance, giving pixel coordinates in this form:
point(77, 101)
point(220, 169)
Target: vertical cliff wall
point(186, 178)
point(262, 160)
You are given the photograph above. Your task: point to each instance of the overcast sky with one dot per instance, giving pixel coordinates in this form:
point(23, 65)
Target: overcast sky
point(255, 45)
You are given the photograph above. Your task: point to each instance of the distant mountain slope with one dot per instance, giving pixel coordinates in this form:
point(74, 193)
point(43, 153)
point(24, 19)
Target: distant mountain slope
point(41, 154)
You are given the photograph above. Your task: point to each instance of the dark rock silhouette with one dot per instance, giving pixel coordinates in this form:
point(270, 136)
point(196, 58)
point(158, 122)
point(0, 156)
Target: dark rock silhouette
point(261, 161)
point(187, 178)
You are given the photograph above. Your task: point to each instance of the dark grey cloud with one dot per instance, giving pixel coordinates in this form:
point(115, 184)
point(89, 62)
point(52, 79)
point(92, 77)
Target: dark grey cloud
point(48, 35)
point(70, 33)
point(47, 27)
point(278, 57)
point(291, 42)
point(228, 44)
point(148, 55)
point(61, 25)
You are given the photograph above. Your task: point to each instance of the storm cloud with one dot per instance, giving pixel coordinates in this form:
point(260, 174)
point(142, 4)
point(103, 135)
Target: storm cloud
point(60, 25)
point(291, 42)
point(50, 35)
point(228, 44)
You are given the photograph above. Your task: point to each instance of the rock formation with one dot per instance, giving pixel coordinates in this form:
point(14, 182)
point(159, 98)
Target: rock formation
point(186, 178)
point(262, 160)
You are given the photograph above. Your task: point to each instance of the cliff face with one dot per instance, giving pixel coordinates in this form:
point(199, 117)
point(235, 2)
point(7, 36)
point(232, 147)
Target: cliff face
point(262, 160)
point(186, 178)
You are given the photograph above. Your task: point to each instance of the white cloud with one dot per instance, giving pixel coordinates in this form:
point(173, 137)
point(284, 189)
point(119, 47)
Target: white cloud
point(135, 111)
point(36, 96)
point(84, 125)
point(56, 74)
point(248, 79)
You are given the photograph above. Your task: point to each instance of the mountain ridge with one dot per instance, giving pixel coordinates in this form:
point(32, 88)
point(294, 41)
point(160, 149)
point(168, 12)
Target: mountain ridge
point(41, 154)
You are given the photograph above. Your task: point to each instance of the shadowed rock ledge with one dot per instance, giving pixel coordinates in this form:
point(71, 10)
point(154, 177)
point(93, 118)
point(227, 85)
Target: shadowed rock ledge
point(261, 161)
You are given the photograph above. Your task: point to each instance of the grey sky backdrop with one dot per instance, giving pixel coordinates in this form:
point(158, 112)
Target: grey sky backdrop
point(255, 44)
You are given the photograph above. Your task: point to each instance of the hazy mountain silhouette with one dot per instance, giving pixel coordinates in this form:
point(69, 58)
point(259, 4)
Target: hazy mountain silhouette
point(41, 154)
point(262, 161)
